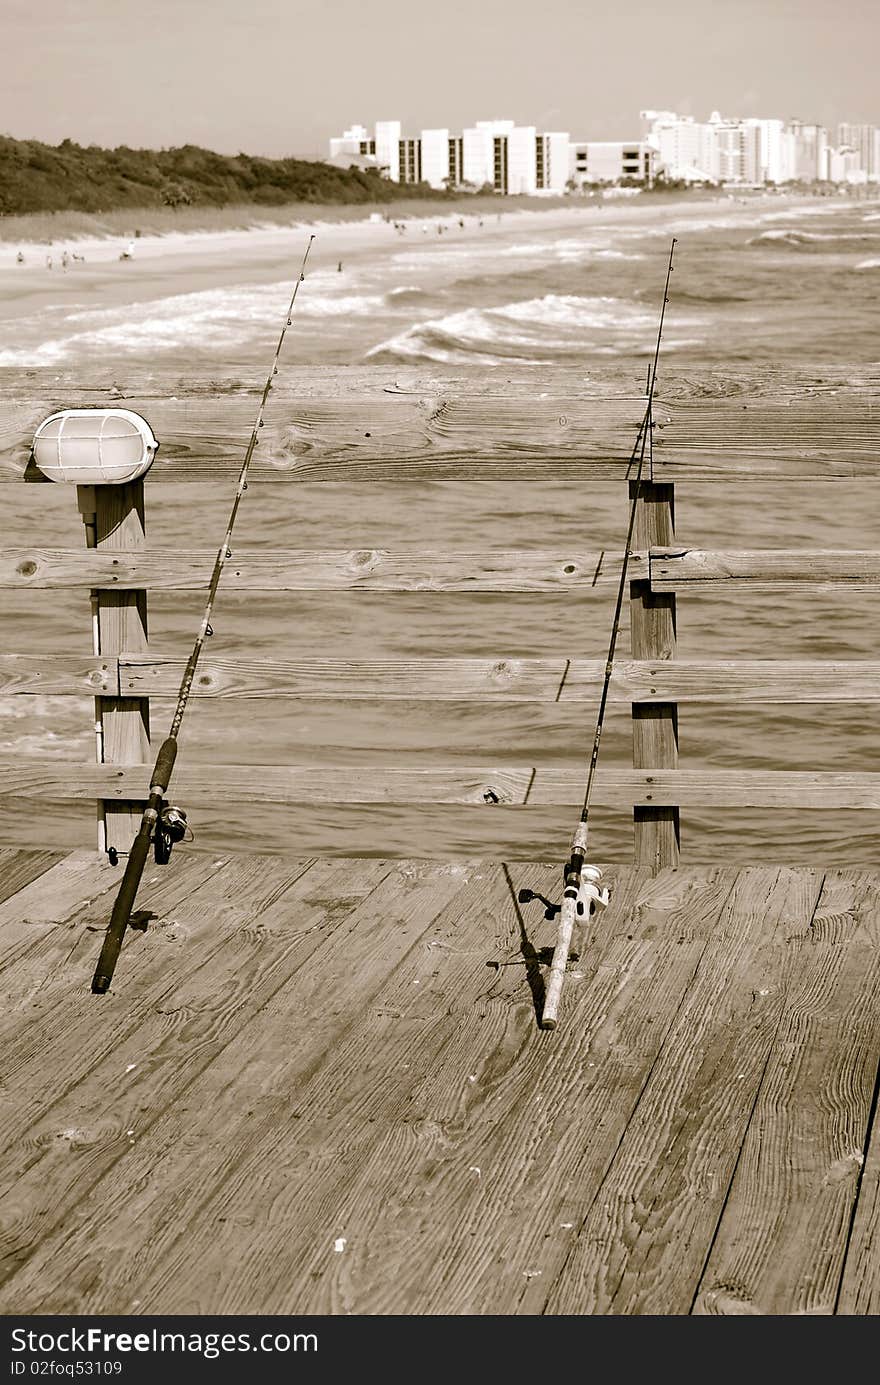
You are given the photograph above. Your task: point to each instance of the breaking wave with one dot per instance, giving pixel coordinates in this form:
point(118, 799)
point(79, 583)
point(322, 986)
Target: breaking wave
point(536, 331)
point(210, 319)
point(809, 238)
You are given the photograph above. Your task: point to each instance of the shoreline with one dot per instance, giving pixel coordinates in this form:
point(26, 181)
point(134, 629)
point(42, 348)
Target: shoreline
point(38, 233)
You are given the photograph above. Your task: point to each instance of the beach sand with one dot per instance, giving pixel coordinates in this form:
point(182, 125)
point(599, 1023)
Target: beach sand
point(206, 259)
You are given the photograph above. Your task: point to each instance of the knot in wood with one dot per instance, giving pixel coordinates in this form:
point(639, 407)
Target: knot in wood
point(26, 568)
point(365, 557)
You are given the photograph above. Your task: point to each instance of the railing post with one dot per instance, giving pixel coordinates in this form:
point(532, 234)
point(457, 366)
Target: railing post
point(652, 632)
point(114, 518)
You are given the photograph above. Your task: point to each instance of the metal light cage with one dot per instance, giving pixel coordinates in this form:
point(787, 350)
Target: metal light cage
point(94, 446)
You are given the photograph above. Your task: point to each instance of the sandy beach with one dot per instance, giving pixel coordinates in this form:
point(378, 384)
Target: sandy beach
point(207, 259)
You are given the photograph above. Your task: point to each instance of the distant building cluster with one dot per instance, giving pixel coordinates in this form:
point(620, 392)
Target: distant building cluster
point(758, 151)
point(509, 158)
point(506, 157)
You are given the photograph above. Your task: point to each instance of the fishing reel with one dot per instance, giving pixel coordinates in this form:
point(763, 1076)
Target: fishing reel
point(590, 896)
point(171, 827)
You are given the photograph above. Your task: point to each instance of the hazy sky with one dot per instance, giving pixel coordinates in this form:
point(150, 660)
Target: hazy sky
point(279, 76)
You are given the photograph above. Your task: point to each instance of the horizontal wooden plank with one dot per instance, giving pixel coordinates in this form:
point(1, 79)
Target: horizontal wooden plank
point(498, 570)
point(377, 436)
point(520, 680)
point(823, 434)
point(492, 786)
point(58, 673)
point(401, 423)
point(497, 679)
point(487, 570)
point(676, 569)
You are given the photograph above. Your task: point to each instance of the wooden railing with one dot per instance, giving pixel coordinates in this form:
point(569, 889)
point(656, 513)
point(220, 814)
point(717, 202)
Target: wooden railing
point(405, 426)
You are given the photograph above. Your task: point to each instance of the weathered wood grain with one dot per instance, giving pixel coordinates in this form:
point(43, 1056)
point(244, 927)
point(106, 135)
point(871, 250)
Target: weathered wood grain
point(264, 972)
point(419, 570)
point(820, 433)
point(538, 680)
point(643, 1243)
point(491, 786)
point(374, 436)
point(56, 674)
point(42, 908)
point(322, 1102)
point(527, 570)
point(500, 678)
point(410, 423)
point(147, 1055)
point(290, 1060)
point(782, 1240)
point(118, 523)
point(36, 959)
point(469, 1201)
point(656, 831)
point(799, 569)
point(19, 867)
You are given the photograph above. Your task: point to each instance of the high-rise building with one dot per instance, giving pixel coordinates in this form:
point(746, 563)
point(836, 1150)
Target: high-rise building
point(388, 148)
point(810, 146)
point(863, 139)
point(685, 148)
point(435, 161)
point(552, 161)
point(509, 158)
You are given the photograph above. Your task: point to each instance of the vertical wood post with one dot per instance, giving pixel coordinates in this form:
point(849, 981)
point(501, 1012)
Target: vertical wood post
point(114, 518)
point(655, 724)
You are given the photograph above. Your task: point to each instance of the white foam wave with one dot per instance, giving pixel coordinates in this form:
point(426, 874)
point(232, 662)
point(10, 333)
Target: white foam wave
point(212, 317)
point(792, 237)
point(534, 331)
point(869, 264)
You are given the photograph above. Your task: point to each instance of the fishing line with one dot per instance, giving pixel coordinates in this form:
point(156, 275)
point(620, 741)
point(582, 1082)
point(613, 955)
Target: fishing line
point(165, 823)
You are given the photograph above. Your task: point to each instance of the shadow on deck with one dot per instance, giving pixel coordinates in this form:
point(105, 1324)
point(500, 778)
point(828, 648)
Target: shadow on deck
point(320, 1087)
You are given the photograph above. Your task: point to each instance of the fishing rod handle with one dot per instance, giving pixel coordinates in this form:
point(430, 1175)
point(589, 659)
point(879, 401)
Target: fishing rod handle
point(164, 765)
point(582, 896)
point(122, 908)
point(564, 931)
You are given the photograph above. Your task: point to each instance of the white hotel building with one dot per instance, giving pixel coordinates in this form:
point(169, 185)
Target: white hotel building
point(509, 158)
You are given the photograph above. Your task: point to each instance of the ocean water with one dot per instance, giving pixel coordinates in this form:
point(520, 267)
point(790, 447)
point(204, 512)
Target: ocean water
point(764, 283)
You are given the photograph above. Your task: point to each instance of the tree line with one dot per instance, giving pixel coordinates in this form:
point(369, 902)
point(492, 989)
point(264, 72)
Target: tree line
point(37, 177)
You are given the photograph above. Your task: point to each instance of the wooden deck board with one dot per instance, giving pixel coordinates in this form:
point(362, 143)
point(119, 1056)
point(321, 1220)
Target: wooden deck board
point(131, 1059)
point(308, 1092)
point(644, 1242)
point(190, 1030)
point(475, 1187)
point(782, 1239)
point(19, 867)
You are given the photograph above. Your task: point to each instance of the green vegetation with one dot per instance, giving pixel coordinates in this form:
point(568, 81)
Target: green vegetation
point(37, 177)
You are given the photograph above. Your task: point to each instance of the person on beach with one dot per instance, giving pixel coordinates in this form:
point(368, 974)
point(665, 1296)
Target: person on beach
point(65, 260)
point(48, 261)
point(19, 259)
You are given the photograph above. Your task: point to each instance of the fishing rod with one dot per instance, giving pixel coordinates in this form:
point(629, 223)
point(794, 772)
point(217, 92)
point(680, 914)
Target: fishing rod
point(581, 892)
point(162, 824)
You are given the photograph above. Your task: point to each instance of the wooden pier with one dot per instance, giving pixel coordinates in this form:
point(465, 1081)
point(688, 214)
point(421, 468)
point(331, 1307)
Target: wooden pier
point(319, 1085)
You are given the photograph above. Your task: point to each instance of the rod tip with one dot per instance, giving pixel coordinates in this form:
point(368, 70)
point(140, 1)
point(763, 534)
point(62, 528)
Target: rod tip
point(100, 985)
point(548, 1023)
